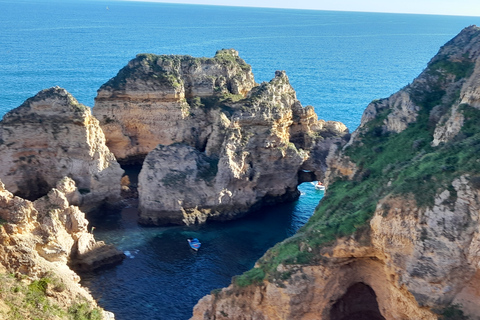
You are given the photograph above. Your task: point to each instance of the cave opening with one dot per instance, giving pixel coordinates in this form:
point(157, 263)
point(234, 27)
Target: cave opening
point(358, 303)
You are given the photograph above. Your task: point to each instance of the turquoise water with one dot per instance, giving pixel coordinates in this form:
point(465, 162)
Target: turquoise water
point(162, 278)
point(336, 61)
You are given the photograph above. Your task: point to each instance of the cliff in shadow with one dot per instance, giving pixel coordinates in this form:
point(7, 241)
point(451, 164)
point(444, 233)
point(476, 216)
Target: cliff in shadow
point(397, 235)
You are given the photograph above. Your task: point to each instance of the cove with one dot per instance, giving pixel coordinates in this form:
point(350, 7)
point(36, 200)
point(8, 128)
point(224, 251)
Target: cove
point(162, 278)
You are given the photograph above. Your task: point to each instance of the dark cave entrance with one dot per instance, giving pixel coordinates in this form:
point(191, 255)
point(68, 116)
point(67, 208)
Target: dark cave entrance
point(358, 303)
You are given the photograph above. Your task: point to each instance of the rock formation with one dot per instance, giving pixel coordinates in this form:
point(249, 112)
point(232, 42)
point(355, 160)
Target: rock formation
point(51, 136)
point(158, 100)
point(218, 145)
point(397, 235)
point(252, 157)
point(38, 240)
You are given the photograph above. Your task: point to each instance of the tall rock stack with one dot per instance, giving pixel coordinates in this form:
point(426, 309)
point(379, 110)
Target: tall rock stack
point(216, 144)
point(51, 136)
point(157, 100)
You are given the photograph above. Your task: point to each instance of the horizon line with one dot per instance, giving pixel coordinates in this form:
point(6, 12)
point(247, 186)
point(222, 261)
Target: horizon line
point(308, 9)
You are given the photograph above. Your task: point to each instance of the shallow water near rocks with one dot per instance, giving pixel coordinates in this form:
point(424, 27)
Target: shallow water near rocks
point(336, 61)
point(162, 278)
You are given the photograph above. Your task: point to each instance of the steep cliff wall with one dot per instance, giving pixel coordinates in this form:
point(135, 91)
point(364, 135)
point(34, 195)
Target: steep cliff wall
point(38, 240)
point(158, 100)
point(253, 156)
point(51, 136)
point(397, 234)
point(217, 145)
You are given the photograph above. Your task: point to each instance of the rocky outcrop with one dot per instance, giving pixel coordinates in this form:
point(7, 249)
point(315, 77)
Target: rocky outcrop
point(397, 234)
point(164, 99)
point(253, 156)
point(51, 136)
point(38, 240)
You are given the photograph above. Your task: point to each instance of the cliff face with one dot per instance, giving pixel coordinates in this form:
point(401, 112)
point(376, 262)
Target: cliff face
point(253, 156)
point(397, 234)
point(216, 145)
point(157, 100)
point(38, 240)
point(51, 136)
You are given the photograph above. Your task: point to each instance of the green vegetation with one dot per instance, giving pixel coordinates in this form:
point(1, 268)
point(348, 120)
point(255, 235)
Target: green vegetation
point(453, 312)
point(160, 69)
point(255, 275)
point(226, 56)
point(175, 179)
point(165, 70)
point(31, 300)
point(404, 164)
point(460, 69)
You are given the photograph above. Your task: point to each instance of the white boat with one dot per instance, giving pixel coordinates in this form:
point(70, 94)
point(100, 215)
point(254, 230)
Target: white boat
point(319, 185)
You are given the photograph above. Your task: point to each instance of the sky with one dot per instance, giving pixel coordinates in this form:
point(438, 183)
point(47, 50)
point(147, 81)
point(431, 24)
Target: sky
point(443, 7)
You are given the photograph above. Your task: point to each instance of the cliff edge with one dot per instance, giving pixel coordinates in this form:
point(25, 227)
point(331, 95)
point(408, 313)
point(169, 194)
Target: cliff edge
point(51, 136)
point(397, 235)
point(216, 144)
point(38, 242)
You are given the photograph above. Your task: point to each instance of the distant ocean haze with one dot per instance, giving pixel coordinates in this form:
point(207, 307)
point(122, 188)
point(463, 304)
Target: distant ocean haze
point(336, 61)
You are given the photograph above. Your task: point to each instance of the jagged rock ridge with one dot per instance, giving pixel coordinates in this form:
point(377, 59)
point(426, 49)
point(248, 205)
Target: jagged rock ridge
point(159, 100)
point(51, 136)
point(226, 146)
point(250, 160)
point(399, 225)
point(38, 242)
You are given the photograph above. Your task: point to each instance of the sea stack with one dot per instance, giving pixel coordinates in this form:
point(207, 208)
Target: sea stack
point(217, 145)
point(52, 136)
point(159, 99)
point(397, 235)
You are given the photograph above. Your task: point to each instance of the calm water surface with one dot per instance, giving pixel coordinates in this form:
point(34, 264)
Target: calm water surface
point(162, 278)
point(336, 61)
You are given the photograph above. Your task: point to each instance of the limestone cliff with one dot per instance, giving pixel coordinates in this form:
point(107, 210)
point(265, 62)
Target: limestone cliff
point(397, 234)
point(257, 150)
point(51, 136)
point(38, 242)
point(158, 100)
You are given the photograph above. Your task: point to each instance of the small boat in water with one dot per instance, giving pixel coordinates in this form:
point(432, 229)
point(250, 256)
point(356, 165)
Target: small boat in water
point(194, 243)
point(319, 186)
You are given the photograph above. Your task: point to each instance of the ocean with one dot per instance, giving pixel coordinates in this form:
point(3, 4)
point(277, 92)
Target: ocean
point(337, 62)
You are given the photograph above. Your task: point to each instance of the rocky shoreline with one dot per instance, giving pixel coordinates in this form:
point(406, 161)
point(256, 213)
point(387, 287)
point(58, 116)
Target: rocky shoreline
point(396, 237)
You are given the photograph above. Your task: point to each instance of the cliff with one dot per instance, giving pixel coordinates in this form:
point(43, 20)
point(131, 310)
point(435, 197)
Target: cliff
point(397, 234)
point(257, 149)
point(51, 136)
point(216, 144)
point(38, 242)
point(158, 100)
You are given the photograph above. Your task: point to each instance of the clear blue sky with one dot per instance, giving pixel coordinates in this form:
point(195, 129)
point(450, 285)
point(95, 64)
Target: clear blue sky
point(448, 7)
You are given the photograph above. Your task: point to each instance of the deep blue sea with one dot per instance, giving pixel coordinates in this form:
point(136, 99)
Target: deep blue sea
point(336, 61)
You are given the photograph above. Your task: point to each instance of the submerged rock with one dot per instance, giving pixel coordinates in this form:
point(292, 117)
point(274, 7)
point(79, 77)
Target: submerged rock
point(51, 136)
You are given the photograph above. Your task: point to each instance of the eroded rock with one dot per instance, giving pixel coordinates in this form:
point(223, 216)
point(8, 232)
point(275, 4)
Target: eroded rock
point(51, 136)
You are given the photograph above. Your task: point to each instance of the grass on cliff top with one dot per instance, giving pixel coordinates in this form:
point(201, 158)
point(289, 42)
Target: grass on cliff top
point(163, 69)
point(403, 164)
point(24, 300)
